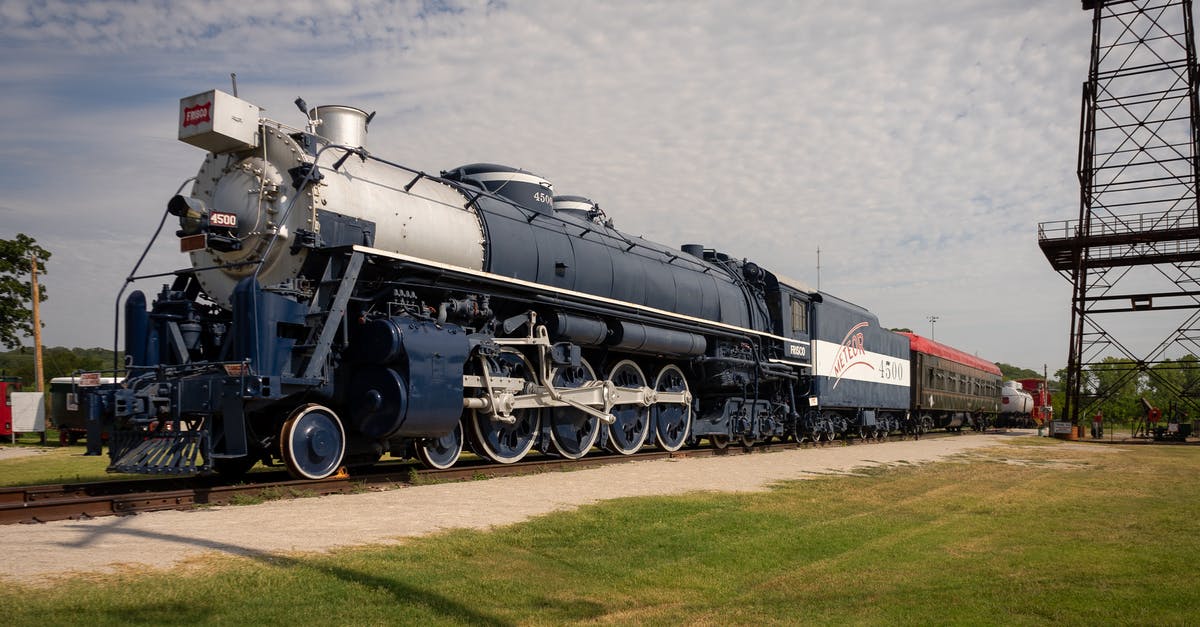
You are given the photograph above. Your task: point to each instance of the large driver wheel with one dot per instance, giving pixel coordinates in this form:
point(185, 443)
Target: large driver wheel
point(499, 441)
point(312, 442)
point(672, 421)
point(629, 431)
point(573, 432)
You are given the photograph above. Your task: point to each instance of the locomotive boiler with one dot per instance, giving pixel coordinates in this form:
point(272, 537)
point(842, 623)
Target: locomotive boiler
point(338, 307)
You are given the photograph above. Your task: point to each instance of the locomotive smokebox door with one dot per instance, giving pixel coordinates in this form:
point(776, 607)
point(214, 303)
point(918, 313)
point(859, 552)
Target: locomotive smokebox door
point(218, 122)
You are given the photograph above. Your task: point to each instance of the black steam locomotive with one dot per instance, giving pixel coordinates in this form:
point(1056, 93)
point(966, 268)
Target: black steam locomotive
point(339, 307)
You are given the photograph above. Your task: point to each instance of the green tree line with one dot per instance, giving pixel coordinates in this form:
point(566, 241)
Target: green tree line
point(58, 361)
point(1117, 386)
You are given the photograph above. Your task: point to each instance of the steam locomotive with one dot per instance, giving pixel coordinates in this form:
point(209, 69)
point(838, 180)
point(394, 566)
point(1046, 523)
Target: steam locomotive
point(339, 307)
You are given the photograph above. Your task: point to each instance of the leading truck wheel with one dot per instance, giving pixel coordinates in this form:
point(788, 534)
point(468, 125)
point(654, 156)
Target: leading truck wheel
point(441, 453)
point(312, 442)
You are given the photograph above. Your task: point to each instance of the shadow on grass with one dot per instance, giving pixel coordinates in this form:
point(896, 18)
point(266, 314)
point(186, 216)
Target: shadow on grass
point(402, 592)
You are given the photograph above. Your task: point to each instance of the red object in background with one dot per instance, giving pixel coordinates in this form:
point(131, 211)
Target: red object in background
point(930, 347)
point(8, 385)
point(1043, 411)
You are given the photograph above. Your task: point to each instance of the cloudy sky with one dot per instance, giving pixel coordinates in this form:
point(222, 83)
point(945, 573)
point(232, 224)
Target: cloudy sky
point(917, 144)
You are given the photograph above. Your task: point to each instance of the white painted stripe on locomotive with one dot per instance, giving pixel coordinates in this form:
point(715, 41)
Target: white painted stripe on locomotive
point(829, 361)
point(513, 177)
point(592, 297)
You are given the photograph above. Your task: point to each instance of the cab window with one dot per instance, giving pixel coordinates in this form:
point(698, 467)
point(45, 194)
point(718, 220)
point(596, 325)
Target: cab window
point(799, 316)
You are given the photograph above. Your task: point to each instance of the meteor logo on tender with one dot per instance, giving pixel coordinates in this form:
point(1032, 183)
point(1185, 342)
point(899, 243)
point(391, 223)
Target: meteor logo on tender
point(851, 353)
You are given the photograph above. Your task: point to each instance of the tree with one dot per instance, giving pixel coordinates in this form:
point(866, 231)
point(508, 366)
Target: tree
point(1013, 373)
point(1058, 393)
point(60, 362)
point(1175, 385)
point(16, 293)
point(1117, 385)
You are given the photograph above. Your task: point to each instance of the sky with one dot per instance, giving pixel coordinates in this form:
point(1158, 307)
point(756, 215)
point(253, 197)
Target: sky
point(916, 144)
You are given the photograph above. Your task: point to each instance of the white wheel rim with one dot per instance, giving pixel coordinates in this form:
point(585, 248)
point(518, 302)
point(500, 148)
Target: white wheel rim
point(290, 453)
point(645, 433)
point(482, 440)
point(592, 437)
point(687, 427)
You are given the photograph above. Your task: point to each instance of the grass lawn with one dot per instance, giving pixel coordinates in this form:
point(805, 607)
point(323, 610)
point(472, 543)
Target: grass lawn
point(55, 464)
point(1038, 532)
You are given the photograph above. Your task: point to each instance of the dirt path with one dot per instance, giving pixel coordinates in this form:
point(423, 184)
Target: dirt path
point(35, 553)
point(9, 452)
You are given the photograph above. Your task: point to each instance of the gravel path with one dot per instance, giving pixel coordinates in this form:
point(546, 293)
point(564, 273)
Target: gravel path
point(9, 452)
point(38, 553)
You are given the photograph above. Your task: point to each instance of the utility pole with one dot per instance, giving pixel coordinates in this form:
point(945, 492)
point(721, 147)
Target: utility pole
point(1046, 386)
point(818, 268)
point(37, 325)
point(932, 320)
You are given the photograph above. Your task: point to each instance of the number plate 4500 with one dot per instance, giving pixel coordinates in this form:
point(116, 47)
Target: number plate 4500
point(222, 219)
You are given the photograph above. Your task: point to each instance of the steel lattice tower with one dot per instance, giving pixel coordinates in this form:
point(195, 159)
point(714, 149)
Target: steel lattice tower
point(1134, 251)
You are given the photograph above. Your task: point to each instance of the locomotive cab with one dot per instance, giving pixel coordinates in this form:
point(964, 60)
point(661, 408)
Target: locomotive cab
point(790, 303)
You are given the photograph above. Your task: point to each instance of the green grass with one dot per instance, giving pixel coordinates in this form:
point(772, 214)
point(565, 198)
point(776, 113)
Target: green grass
point(63, 464)
point(1024, 534)
point(31, 439)
point(66, 464)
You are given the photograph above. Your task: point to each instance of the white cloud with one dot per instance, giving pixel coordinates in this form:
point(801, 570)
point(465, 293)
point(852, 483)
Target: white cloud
point(918, 145)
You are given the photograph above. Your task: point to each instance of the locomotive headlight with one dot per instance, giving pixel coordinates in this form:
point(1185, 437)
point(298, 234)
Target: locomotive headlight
point(191, 212)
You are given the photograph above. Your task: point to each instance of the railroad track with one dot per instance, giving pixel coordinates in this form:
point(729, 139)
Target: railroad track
point(44, 503)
